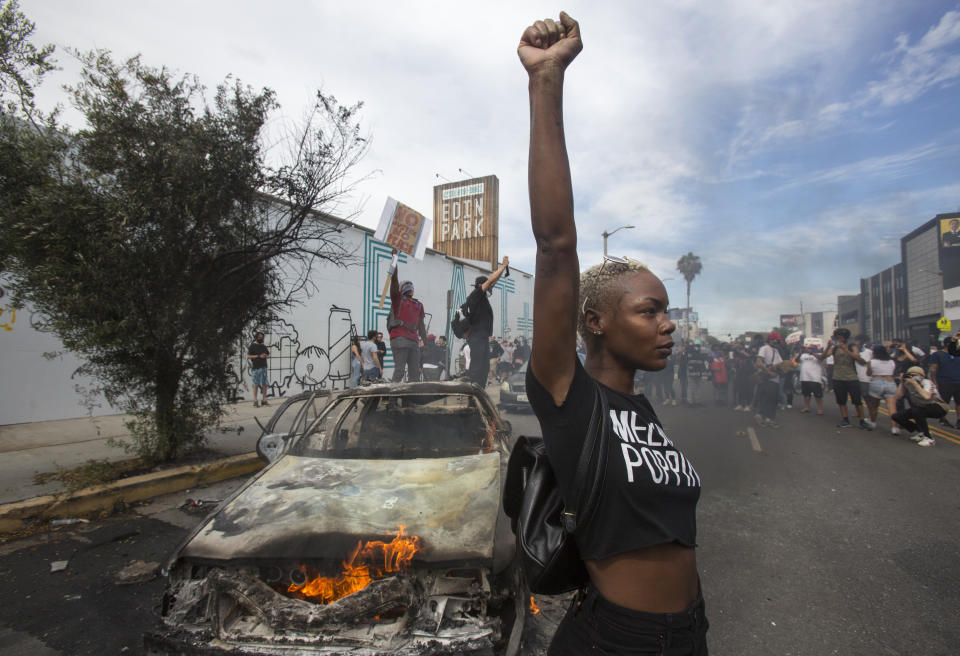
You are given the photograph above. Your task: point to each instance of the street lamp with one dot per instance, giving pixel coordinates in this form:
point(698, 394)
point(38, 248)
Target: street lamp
point(607, 234)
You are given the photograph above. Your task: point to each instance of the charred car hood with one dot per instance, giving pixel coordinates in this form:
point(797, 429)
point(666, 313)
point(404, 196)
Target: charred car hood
point(305, 508)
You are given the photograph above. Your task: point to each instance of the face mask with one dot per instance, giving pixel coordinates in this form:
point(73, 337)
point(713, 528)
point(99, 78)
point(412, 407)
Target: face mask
point(260, 340)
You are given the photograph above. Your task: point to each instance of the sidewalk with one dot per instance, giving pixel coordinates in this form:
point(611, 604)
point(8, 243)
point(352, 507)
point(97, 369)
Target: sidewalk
point(44, 446)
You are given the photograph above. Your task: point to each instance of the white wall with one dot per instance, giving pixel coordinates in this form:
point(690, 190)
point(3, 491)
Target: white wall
point(308, 346)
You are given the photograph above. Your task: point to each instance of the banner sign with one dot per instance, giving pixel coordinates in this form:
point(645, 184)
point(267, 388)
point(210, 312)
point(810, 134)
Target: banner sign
point(791, 320)
point(404, 228)
point(950, 250)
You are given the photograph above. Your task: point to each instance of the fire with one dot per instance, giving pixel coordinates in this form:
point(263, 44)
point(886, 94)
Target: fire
point(366, 562)
point(534, 609)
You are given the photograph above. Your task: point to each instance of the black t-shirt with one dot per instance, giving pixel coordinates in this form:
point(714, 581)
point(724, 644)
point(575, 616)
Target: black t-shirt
point(650, 489)
point(258, 349)
point(480, 313)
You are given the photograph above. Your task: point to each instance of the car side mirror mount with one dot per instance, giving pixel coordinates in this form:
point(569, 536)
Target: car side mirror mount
point(270, 447)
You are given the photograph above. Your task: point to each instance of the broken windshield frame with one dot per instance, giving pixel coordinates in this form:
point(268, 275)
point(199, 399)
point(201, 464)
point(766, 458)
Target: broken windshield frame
point(399, 426)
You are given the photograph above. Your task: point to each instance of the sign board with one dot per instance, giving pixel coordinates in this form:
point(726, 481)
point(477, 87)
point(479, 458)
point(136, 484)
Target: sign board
point(813, 342)
point(944, 325)
point(403, 228)
point(794, 337)
point(466, 219)
point(791, 320)
point(950, 249)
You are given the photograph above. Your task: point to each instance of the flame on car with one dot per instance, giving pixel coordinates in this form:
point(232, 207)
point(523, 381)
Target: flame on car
point(534, 609)
point(367, 562)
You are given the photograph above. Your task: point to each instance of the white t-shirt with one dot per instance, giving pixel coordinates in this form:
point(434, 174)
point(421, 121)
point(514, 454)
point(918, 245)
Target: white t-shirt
point(810, 369)
point(368, 350)
point(867, 355)
point(770, 356)
point(882, 367)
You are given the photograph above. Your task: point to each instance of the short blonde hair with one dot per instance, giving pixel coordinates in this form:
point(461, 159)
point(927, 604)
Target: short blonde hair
point(600, 288)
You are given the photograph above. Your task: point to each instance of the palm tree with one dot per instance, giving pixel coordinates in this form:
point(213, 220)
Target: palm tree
point(689, 266)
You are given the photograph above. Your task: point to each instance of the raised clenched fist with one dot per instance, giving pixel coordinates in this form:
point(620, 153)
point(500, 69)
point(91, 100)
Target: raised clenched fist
point(549, 43)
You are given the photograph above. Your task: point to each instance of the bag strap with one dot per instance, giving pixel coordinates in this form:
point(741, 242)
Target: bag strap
point(595, 433)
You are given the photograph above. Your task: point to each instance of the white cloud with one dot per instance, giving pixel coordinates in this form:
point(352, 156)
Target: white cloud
point(913, 70)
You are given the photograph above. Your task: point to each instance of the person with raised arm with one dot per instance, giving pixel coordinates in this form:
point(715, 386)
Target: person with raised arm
point(639, 545)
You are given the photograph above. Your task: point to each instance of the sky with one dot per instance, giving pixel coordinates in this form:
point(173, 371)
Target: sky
point(788, 144)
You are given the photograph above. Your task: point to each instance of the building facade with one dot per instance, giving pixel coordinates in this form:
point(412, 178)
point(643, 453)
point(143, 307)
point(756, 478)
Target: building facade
point(931, 261)
point(309, 346)
point(883, 305)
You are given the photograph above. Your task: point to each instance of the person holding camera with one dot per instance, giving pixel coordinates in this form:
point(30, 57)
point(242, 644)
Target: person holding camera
point(945, 373)
point(846, 383)
point(925, 403)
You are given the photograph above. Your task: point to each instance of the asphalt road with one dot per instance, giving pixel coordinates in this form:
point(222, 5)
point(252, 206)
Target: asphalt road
point(813, 540)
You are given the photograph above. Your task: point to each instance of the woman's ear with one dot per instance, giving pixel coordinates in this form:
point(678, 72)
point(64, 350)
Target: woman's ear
point(594, 321)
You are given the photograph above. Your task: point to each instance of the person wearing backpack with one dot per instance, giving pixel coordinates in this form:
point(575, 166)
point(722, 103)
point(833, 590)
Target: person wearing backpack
point(638, 546)
point(407, 331)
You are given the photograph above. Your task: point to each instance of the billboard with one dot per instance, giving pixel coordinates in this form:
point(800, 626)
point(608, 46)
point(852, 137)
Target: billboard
point(466, 219)
point(791, 320)
point(950, 249)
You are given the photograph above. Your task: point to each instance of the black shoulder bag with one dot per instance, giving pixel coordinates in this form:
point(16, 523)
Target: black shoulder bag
point(544, 528)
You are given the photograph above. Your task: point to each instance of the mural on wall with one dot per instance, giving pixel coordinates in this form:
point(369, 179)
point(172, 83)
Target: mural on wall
point(376, 261)
point(293, 367)
point(506, 287)
point(525, 322)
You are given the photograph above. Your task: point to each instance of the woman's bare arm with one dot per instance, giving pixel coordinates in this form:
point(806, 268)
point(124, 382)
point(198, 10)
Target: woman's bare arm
point(546, 49)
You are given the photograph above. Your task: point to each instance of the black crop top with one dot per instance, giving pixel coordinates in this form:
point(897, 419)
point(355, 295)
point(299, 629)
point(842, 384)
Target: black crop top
point(650, 491)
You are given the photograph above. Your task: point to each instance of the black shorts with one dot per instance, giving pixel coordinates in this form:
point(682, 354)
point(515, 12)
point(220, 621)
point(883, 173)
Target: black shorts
point(841, 388)
point(808, 387)
point(950, 391)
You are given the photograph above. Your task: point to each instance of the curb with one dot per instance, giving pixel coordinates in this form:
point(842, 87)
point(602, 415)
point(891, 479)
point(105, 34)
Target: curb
point(99, 498)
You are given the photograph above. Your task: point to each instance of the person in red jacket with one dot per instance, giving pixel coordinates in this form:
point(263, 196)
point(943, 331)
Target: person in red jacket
point(407, 332)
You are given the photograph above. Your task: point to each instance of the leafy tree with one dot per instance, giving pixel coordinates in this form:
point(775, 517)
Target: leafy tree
point(159, 233)
point(22, 65)
point(689, 267)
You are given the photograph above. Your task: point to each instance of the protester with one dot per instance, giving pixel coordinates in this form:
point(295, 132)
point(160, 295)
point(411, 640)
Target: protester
point(882, 387)
point(742, 373)
point(768, 385)
point(494, 351)
point(718, 368)
point(845, 381)
point(504, 361)
point(372, 365)
point(683, 371)
point(430, 356)
point(811, 377)
point(478, 311)
point(381, 347)
point(407, 331)
point(257, 354)
point(444, 357)
point(866, 353)
point(945, 373)
point(356, 361)
point(925, 403)
point(639, 550)
point(904, 359)
point(465, 357)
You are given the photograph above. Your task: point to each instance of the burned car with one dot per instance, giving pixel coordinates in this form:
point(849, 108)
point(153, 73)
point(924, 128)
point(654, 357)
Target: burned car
point(377, 529)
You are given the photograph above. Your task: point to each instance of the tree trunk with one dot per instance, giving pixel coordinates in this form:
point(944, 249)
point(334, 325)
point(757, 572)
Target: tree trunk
point(168, 440)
